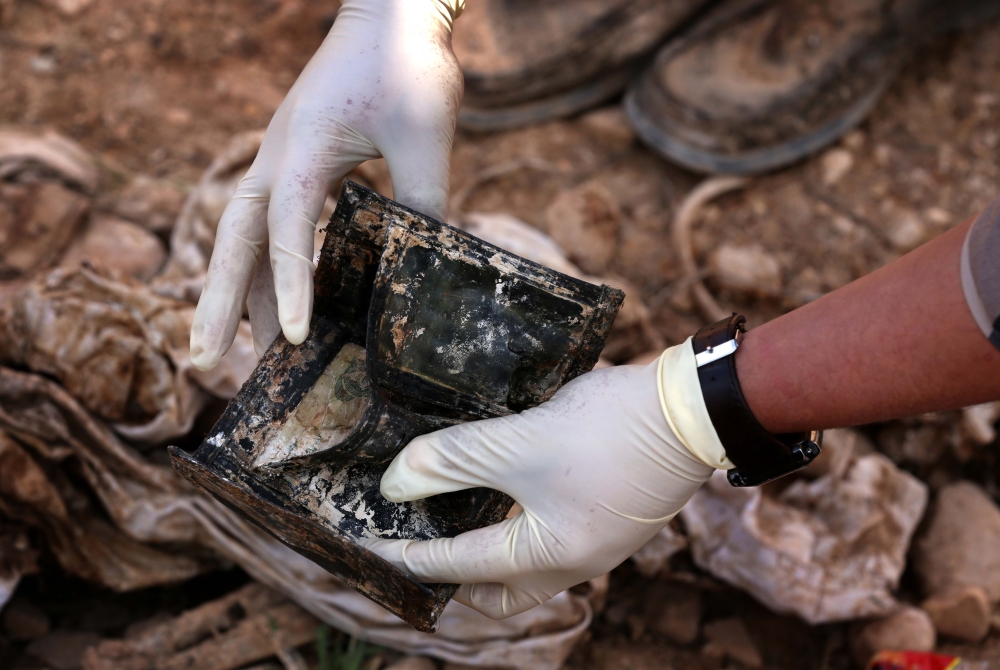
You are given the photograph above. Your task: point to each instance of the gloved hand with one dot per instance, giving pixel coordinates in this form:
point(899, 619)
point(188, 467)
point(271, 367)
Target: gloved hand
point(384, 83)
point(599, 469)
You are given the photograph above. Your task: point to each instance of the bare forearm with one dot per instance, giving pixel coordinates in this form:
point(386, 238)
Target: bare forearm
point(898, 342)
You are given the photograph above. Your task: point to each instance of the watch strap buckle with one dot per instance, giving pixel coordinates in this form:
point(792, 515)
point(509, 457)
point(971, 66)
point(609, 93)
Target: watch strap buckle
point(803, 453)
point(758, 455)
point(718, 351)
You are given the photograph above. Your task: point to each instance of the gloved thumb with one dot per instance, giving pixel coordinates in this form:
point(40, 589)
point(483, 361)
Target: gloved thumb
point(497, 564)
point(454, 459)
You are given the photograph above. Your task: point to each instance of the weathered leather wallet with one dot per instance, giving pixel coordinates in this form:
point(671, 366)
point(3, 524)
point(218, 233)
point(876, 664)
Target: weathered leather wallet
point(416, 326)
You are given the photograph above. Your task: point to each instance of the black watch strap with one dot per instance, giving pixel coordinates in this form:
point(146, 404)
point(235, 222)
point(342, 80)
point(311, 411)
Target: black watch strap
point(758, 456)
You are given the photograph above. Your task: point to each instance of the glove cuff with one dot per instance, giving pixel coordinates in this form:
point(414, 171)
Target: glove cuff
point(450, 9)
point(684, 406)
point(443, 12)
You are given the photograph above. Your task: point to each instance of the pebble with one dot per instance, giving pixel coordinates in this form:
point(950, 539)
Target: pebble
point(43, 63)
point(978, 422)
point(910, 628)
point(746, 268)
point(961, 543)
point(836, 163)
point(69, 7)
point(938, 216)
point(178, 116)
point(907, 233)
point(610, 124)
point(883, 154)
point(964, 613)
point(854, 140)
point(584, 221)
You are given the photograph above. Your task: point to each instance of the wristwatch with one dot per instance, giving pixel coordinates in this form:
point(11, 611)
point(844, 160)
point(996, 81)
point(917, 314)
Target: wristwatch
point(759, 456)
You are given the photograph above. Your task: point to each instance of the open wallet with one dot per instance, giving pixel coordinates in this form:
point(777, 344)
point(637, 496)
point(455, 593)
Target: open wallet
point(416, 326)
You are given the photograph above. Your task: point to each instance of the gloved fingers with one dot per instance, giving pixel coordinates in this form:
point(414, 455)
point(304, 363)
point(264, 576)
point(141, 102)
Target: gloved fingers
point(239, 240)
point(490, 554)
point(262, 304)
point(317, 151)
point(480, 453)
point(420, 169)
point(296, 203)
point(498, 601)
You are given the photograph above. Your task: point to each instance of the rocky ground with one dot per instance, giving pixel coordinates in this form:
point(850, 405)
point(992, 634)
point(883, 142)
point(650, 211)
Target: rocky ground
point(156, 89)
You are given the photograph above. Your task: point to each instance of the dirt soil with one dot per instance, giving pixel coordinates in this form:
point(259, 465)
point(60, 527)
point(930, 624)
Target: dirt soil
point(158, 87)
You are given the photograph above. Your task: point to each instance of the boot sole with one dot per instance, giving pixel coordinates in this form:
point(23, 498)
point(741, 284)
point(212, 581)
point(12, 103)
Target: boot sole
point(663, 135)
point(658, 136)
point(548, 109)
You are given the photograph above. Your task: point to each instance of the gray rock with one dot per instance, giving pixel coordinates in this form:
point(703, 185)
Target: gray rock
point(964, 613)
point(961, 544)
point(836, 163)
point(909, 628)
point(584, 221)
point(749, 269)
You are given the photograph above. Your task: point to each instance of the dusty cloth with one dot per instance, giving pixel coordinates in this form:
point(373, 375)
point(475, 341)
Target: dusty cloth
point(149, 527)
point(115, 345)
point(45, 180)
point(54, 456)
point(981, 271)
point(47, 185)
point(243, 627)
point(119, 348)
point(49, 152)
point(830, 549)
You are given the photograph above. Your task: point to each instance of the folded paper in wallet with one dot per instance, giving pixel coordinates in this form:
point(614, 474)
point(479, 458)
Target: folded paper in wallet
point(416, 326)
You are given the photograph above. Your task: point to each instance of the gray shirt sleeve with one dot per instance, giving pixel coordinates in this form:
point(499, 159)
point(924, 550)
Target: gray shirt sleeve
point(981, 271)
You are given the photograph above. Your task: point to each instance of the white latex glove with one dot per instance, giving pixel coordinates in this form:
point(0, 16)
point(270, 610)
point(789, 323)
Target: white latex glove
point(384, 83)
point(599, 469)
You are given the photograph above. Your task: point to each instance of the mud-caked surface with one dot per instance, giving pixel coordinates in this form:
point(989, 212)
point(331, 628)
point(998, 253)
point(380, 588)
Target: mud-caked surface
point(155, 89)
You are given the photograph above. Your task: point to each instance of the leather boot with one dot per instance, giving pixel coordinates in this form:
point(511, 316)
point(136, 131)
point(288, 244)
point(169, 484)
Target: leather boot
point(528, 61)
point(758, 84)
